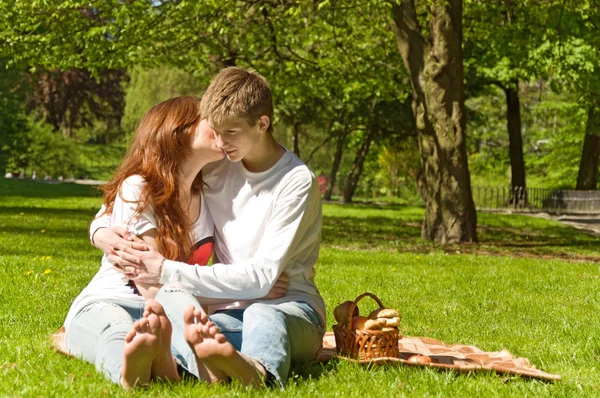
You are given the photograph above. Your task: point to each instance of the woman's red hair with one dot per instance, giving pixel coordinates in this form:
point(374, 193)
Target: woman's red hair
point(160, 145)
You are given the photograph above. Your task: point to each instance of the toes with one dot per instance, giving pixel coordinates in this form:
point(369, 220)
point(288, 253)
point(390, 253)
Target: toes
point(220, 338)
point(153, 324)
point(213, 330)
point(139, 326)
point(155, 307)
point(130, 335)
point(188, 315)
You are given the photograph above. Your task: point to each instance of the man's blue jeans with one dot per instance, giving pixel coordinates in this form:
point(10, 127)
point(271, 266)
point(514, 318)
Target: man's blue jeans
point(275, 335)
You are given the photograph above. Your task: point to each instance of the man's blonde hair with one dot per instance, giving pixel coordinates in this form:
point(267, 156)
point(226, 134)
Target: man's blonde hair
point(237, 93)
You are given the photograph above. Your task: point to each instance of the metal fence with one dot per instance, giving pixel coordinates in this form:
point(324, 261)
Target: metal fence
point(537, 199)
point(57, 170)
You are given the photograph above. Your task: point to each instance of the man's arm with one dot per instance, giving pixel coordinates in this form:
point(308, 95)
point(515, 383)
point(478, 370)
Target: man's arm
point(294, 227)
point(110, 239)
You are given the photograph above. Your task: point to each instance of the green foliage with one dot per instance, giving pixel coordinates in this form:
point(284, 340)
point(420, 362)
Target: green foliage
point(12, 111)
point(148, 87)
point(553, 131)
point(41, 149)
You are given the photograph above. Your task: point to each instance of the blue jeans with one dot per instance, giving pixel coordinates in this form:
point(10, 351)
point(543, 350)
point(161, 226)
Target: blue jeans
point(97, 334)
point(275, 335)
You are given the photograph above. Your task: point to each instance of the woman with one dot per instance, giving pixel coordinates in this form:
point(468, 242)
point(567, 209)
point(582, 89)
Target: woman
point(156, 194)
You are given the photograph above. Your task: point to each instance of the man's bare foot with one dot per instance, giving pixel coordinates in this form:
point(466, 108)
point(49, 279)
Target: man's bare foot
point(163, 366)
point(206, 372)
point(142, 345)
point(214, 350)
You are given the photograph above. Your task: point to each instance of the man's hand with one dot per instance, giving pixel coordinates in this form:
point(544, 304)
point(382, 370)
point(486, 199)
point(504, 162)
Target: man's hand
point(280, 287)
point(142, 266)
point(113, 239)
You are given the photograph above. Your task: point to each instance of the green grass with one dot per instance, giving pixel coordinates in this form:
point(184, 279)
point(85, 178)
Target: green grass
point(530, 286)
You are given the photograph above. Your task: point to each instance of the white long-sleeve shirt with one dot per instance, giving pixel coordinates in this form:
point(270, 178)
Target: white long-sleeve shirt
point(265, 223)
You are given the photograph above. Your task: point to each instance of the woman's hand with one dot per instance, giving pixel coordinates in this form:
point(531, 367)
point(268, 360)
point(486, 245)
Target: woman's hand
point(113, 239)
point(280, 287)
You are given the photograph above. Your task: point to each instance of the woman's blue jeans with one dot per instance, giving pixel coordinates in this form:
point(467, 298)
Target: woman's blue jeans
point(97, 334)
point(275, 335)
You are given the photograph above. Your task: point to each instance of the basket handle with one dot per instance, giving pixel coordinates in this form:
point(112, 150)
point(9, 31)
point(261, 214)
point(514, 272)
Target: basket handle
point(355, 304)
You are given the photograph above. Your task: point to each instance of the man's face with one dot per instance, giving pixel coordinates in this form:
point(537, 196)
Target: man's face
point(236, 137)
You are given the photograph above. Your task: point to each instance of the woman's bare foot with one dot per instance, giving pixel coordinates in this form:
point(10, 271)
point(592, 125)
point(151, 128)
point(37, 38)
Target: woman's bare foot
point(142, 345)
point(163, 366)
point(214, 350)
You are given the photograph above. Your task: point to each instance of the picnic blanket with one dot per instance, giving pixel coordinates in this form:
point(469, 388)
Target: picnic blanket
point(457, 357)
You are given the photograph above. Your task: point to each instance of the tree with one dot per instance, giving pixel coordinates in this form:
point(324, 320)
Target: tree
point(434, 64)
point(587, 178)
point(500, 37)
point(573, 61)
point(73, 99)
point(13, 121)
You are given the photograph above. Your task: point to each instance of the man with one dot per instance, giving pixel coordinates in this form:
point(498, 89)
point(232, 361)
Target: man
point(266, 207)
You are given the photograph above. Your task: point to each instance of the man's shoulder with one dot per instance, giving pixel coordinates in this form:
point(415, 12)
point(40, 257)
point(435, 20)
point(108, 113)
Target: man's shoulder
point(296, 176)
point(216, 169)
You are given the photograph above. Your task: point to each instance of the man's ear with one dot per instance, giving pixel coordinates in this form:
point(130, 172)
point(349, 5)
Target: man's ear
point(264, 122)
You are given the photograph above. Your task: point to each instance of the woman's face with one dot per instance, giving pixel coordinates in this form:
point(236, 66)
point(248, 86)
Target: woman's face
point(204, 145)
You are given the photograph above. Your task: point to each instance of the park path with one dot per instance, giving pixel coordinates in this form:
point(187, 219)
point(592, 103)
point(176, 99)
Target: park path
point(587, 222)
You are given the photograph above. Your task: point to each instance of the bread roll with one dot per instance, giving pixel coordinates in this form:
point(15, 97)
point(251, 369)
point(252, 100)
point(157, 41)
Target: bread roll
point(420, 359)
point(364, 323)
point(391, 321)
point(384, 313)
point(340, 313)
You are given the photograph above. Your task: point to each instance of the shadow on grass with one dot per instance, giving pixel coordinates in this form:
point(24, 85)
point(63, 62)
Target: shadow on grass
point(370, 231)
point(64, 214)
point(41, 189)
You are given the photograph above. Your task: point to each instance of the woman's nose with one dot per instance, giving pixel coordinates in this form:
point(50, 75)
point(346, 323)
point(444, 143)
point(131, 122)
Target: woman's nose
point(218, 139)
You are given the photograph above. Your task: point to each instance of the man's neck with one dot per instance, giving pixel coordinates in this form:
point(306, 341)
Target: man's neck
point(264, 155)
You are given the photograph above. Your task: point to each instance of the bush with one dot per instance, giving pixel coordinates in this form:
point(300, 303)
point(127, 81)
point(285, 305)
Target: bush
point(40, 149)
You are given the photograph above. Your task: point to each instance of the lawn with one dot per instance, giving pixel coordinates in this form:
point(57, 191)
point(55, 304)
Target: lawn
point(530, 286)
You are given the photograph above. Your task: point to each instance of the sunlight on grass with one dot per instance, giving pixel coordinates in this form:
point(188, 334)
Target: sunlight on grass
point(530, 286)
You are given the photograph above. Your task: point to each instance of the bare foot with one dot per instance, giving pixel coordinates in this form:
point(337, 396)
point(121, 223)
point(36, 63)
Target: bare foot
point(163, 366)
point(214, 350)
point(206, 372)
point(142, 345)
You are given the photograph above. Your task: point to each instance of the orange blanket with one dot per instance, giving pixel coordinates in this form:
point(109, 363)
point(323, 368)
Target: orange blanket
point(458, 357)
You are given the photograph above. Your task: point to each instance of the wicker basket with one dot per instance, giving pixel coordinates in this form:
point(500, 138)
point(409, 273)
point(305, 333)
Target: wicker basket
point(365, 344)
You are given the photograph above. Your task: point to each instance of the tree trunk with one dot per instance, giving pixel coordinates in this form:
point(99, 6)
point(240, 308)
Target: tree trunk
point(295, 136)
point(588, 167)
point(436, 73)
point(337, 160)
point(515, 137)
point(107, 133)
point(357, 166)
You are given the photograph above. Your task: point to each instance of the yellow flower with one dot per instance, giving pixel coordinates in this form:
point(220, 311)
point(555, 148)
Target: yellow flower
point(48, 258)
point(28, 273)
point(43, 230)
point(21, 213)
point(42, 258)
point(47, 271)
